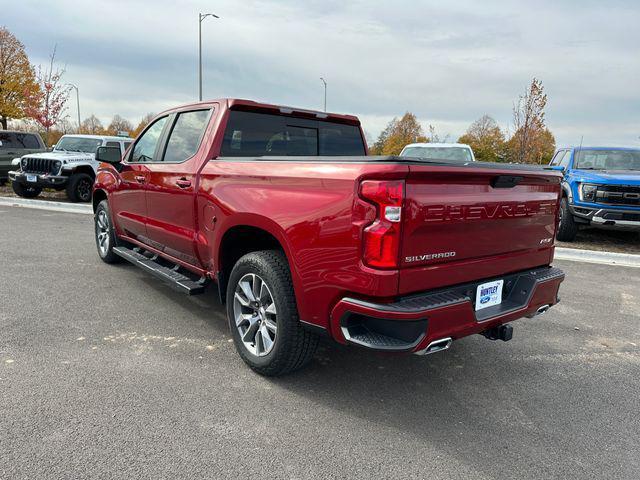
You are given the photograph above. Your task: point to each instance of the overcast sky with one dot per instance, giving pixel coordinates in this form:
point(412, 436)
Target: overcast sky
point(447, 62)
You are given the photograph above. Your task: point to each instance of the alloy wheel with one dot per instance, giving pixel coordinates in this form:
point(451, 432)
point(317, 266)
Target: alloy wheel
point(102, 223)
point(255, 314)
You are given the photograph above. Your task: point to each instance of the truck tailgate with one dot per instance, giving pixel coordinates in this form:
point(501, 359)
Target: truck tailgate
point(459, 221)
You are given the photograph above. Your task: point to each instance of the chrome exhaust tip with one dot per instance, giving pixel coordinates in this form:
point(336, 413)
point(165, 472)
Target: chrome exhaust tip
point(541, 310)
point(436, 346)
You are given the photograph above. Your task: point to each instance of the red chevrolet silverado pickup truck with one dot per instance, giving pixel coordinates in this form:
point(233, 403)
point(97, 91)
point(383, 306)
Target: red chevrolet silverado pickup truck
point(305, 235)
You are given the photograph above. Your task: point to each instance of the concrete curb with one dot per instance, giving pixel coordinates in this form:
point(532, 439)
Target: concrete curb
point(47, 205)
point(592, 256)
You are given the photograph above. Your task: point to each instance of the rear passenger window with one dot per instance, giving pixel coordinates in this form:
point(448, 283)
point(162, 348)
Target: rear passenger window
point(113, 144)
point(558, 157)
point(186, 135)
point(8, 140)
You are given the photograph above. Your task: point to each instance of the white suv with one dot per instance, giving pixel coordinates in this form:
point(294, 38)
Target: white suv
point(449, 152)
point(71, 165)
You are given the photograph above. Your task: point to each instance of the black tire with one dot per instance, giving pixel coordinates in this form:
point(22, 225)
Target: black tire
point(25, 191)
point(3, 181)
point(80, 187)
point(104, 232)
point(293, 346)
point(568, 228)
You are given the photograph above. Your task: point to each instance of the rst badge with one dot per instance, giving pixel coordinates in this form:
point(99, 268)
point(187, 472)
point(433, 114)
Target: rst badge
point(489, 294)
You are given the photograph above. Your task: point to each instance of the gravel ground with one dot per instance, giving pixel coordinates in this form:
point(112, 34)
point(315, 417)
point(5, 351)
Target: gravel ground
point(106, 373)
point(605, 241)
point(47, 194)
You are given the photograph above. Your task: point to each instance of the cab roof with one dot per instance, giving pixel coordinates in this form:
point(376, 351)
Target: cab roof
point(252, 106)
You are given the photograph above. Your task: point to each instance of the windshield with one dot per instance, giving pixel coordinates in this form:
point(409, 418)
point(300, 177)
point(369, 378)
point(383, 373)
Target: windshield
point(79, 144)
point(608, 160)
point(456, 154)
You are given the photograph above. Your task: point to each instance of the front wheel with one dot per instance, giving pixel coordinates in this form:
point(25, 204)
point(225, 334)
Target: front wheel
point(568, 228)
point(79, 187)
point(263, 317)
point(105, 234)
point(25, 191)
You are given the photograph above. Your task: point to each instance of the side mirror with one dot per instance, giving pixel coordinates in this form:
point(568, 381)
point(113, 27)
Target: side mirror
point(557, 168)
point(108, 155)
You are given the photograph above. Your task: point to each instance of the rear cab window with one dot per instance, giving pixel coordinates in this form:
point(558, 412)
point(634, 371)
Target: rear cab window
point(252, 134)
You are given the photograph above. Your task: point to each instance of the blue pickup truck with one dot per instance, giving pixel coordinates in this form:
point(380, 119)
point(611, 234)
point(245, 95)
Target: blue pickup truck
point(601, 188)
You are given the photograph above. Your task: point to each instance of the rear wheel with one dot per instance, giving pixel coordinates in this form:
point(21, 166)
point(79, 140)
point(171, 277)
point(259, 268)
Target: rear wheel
point(25, 191)
point(263, 317)
point(105, 234)
point(568, 228)
point(79, 187)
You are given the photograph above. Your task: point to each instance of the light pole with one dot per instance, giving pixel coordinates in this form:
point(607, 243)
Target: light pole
point(201, 16)
point(325, 93)
point(77, 102)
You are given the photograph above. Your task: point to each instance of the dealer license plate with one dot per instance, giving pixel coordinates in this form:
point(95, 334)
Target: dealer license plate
point(32, 178)
point(489, 294)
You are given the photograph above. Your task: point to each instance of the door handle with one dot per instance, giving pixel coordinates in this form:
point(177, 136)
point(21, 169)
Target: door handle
point(183, 183)
point(140, 178)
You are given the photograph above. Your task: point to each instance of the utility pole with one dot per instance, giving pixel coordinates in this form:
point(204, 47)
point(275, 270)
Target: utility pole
point(325, 93)
point(77, 102)
point(201, 16)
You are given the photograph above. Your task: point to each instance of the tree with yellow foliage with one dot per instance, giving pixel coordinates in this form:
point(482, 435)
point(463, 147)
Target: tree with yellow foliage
point(18, 84)
point(398, 134)
point(485, 139)
point(143, 123)
point(532, 142)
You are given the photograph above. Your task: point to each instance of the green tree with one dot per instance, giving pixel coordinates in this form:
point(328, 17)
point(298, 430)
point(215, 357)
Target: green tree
point(486, 139)
point(18, 86)
point(397, 134)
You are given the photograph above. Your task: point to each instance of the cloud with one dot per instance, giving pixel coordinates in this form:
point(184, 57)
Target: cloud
point(447, 62)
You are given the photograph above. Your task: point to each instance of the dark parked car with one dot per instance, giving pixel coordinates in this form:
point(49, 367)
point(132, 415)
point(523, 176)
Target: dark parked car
point(15, 145)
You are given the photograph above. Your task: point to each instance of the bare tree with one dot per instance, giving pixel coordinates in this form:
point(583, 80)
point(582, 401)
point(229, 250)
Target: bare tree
point(435, 138)
point(528, 120)
point(48, 105)
point(119, 124)
point(92, 125)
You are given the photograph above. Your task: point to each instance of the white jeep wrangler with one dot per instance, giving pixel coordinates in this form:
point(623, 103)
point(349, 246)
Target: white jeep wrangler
point(71, 165)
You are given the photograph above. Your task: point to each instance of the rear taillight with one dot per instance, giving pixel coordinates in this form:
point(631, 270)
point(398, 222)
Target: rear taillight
point(381, 239)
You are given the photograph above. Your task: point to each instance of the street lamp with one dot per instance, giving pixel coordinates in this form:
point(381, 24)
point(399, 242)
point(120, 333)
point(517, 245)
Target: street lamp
point(77, 102)
point(325, 93)
point(201, 16)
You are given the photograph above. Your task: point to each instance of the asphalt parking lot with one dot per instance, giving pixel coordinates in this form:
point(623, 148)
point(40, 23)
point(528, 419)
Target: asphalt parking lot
point(107, 373)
